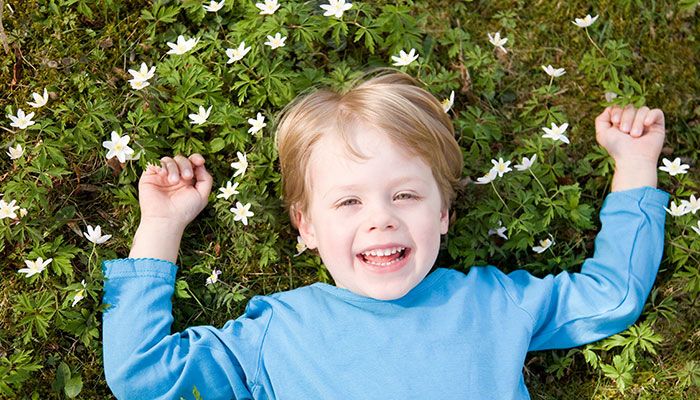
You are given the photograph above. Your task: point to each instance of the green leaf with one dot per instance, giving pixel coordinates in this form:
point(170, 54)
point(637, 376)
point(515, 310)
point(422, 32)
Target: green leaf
point(181, 289)
point(73, 386)
point(216, 145)
point(62, 376)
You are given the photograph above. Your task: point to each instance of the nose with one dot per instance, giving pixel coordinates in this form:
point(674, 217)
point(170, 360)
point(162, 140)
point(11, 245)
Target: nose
point(381, 217)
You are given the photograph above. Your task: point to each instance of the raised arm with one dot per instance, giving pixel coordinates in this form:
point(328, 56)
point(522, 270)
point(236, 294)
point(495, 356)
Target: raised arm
point(142, 358)
point(608, 294)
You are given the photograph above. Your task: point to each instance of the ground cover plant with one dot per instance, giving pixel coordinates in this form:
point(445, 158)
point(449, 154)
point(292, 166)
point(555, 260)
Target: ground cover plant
point(91, 91)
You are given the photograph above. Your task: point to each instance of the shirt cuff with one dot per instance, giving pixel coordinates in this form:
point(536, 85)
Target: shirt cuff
point(139, 267)
point(644, 194)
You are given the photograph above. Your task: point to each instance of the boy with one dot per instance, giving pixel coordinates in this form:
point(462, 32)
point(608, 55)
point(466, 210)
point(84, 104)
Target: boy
point(368, 179)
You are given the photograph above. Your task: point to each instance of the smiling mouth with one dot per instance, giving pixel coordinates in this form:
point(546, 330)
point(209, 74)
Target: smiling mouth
point(383, 257)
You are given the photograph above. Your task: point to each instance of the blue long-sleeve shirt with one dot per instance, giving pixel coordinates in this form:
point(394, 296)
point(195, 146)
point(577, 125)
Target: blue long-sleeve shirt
point(452, 336)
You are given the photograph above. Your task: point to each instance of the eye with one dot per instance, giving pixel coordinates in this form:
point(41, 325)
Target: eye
point(406, 196)
point(348, 202)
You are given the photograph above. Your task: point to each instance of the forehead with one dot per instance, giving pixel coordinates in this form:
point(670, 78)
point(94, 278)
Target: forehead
point(367, 156)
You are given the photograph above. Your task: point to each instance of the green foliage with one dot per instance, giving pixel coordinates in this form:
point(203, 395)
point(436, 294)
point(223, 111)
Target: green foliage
point(66, 383)
point(81, 50)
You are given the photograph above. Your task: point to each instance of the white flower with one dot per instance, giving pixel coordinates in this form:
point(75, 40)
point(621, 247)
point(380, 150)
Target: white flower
point(214, 277)
point(448, 103)
point(275, 42)
point(497, 41)
point(182, 46)
point(269, 7)
point(585, 22)
point(526, 163)
point(135, 157)
point(21, 121)
point(8, 210)
point(201, 116)
point(80, 294)
point(500, 166)
point(488, 178)
point(241, 165)
point(500, 231)
point(256, 124)
point(692, 205)
point(118, 147)
point(22, 212)
point(39, 100)
point(237, 54)
point(336, 7)
point(214, 6)
point(301, 246)
point(675, 167)
point(34, 267)
point(553, 72)
point(144, 73)
point(16, 152)
point(95, 235)
point(609, 96)
point(137, 84)
point(697, 229)
point(544, 245)
point(405, 59)
point(228, 191)
point(677, 211)
point(242, 212)
point(556, 132)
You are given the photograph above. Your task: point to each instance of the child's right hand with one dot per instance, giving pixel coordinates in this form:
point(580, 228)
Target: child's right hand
point(175, 192)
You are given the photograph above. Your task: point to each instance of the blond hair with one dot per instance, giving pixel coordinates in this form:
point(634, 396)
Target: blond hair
point(411, 117)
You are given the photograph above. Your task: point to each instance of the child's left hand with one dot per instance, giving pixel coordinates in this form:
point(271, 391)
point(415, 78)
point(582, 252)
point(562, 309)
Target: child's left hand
point(630, 134)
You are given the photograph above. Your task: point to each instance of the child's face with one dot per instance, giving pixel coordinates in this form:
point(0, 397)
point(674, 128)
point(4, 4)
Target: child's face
point(377, 221)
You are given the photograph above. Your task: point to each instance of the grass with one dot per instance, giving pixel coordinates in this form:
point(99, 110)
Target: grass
point(81, 51)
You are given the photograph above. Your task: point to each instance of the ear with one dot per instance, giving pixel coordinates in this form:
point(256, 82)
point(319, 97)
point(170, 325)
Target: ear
point(306, 229)
point(444, 221)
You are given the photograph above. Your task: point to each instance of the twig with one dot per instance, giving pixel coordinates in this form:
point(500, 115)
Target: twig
point(3, 38)
point(684, 248)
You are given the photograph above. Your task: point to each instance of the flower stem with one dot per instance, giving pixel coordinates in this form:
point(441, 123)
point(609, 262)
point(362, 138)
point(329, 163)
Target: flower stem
point(499, 196)
point(538, 181)
point(593, 42)
point(90, 264)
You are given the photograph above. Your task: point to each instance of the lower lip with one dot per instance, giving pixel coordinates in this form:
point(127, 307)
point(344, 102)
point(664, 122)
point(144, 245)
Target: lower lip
point(385, 269)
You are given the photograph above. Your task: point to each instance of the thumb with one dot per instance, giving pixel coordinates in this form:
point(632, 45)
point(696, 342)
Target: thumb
point(603, 121)
point(602, 124)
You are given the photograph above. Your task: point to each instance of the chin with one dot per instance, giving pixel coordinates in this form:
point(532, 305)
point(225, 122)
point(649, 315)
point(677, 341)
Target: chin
point(388, 293)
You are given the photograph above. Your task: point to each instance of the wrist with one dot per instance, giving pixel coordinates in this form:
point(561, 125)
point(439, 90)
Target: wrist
point(633, 172)
point(164, 225)
point(157, 238)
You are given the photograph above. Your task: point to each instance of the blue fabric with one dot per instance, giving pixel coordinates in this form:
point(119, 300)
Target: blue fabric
point(452, 336)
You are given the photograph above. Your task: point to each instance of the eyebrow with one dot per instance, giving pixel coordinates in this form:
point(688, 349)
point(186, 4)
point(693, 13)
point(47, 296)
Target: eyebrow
point(355, 187)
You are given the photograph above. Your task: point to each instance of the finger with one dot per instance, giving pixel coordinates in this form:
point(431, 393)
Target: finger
point(627, 118)
point(171, 169)
point(196, 159)
point(638, 123)
point(655, 116)
point(151, 169)
point(603, 122)
point(184, 166)
point(615, 114)
point(204, 180)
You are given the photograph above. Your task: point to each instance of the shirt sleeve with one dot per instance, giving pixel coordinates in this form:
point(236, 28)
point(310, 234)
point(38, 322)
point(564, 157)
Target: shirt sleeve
point(571, 309)
point(143, 360)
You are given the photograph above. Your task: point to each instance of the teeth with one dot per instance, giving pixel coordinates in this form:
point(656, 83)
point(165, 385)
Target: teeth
point(383, 253)
point(383, 264)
